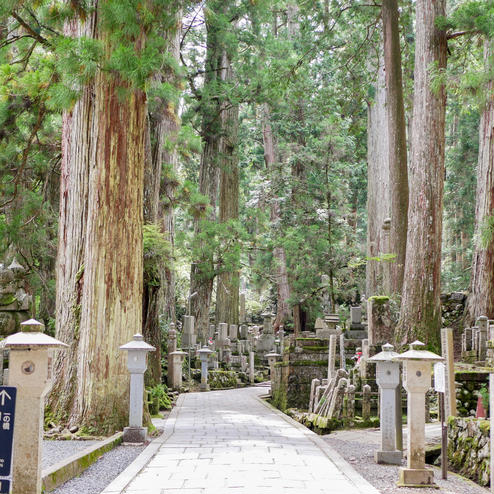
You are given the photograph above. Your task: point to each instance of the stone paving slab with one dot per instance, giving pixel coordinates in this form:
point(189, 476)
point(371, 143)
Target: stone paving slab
point(231, 442)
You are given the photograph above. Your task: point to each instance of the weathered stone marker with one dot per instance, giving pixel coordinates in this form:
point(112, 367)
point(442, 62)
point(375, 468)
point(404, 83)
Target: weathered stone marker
point(175, 362)
point(188, 336)
point(233, 332)
point(331, 356)
point(388, 380)
point(251, 367)
point(448, 354)
point(137, 351)
point(204, 353)
point(272, 356)
point(417, 381)
point(342, 352)
point(30, 371)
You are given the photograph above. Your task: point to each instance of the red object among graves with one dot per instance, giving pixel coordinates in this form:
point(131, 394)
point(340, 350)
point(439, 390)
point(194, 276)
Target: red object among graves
point(480, 414)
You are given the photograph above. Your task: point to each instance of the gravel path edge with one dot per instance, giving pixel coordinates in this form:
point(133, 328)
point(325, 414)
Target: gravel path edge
point(118, 485)
point(71, 467)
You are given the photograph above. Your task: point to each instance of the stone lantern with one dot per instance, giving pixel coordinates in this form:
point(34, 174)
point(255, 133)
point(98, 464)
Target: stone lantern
point(388, 380)
point(30, 371)
point(137, 350)
point(204, 353)
point(417, 381)
point(272, 357)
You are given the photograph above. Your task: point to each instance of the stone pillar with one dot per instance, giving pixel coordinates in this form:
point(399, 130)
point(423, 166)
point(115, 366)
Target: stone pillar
point(137, 351)
point(356, 315)
point(233, 332)
point(204, 353)
point(172, 347)
point(386, 266)
point(447, 351)
point(351, 402)
point(315, 383)
point(188, 336)
point(227, 353)
point(388, 380)
point(364, 358)
point(30, 371)
point(483, 325)
point(342, 352)
point(251, 368)
point(366, 401)
point(417, 381)
point(331, 356)
point(242, 308)
point(175, 363)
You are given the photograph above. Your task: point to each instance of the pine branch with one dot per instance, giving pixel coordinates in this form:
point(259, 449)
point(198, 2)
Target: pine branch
point(30, 30)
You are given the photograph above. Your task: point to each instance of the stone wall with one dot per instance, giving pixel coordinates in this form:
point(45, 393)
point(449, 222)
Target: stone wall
point(467, 391)
point(468, 448)
point(306, 360)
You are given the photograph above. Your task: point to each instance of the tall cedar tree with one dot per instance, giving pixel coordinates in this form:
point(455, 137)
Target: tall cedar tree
point(420, 314)
point(481, 299)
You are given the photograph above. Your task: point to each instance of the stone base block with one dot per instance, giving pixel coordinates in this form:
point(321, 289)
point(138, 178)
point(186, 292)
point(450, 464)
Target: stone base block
point(134, 435)
point(355, 334)
point(388, 457)
point(204, 387)
point(416, 477)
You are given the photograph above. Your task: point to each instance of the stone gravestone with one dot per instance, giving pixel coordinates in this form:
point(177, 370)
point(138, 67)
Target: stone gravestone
point(233, 332)
point(188, 335)
point(357, 329)
point(342, 352)
point(265, 342)
point(242, 308)
point(15, 303)
point(331, 356)
point(447, 351)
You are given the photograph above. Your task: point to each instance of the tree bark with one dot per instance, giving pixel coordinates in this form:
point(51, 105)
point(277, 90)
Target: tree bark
point(112, 151)
point(420, 315)
point(227, 282)
point(378, 186)
point(397, 147)
point(74, 184)
point(481, 299)
point(203, 269)
point(162, 130)
point(283, 311)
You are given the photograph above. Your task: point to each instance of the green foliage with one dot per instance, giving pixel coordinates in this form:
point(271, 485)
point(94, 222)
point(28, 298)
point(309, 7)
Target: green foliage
point(157, 252)
point(158, 399)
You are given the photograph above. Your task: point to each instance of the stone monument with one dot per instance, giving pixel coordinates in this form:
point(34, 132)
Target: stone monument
point(15, 303)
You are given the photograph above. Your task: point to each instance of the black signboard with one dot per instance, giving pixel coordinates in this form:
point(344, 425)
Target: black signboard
point(7, 413)
point(4, 486)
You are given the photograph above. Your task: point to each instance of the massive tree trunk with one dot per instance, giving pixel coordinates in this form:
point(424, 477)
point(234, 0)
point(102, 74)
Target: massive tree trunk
point(397, 148)
point(227, 282)
point(378, 209)
point(74, 183)
point(203, 269)
point(283, 310)
point(420, 316)
point(162, 131)
point(481, 299)
point(110, 303)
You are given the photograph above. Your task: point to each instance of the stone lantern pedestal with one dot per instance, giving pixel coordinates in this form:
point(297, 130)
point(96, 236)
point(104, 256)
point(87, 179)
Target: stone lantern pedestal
point(30, 371)
point(417, 381)
point(272, 357)
point(388, 380)
point(136, 364)
point(204, 353)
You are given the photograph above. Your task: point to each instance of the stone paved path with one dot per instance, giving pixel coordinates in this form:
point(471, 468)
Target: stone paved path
point(230, 442)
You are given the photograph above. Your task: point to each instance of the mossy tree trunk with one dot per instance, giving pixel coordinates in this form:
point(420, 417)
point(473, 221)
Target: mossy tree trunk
point(481, 299)
point(420, 315)
point(106, 289)
point(397, 146)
